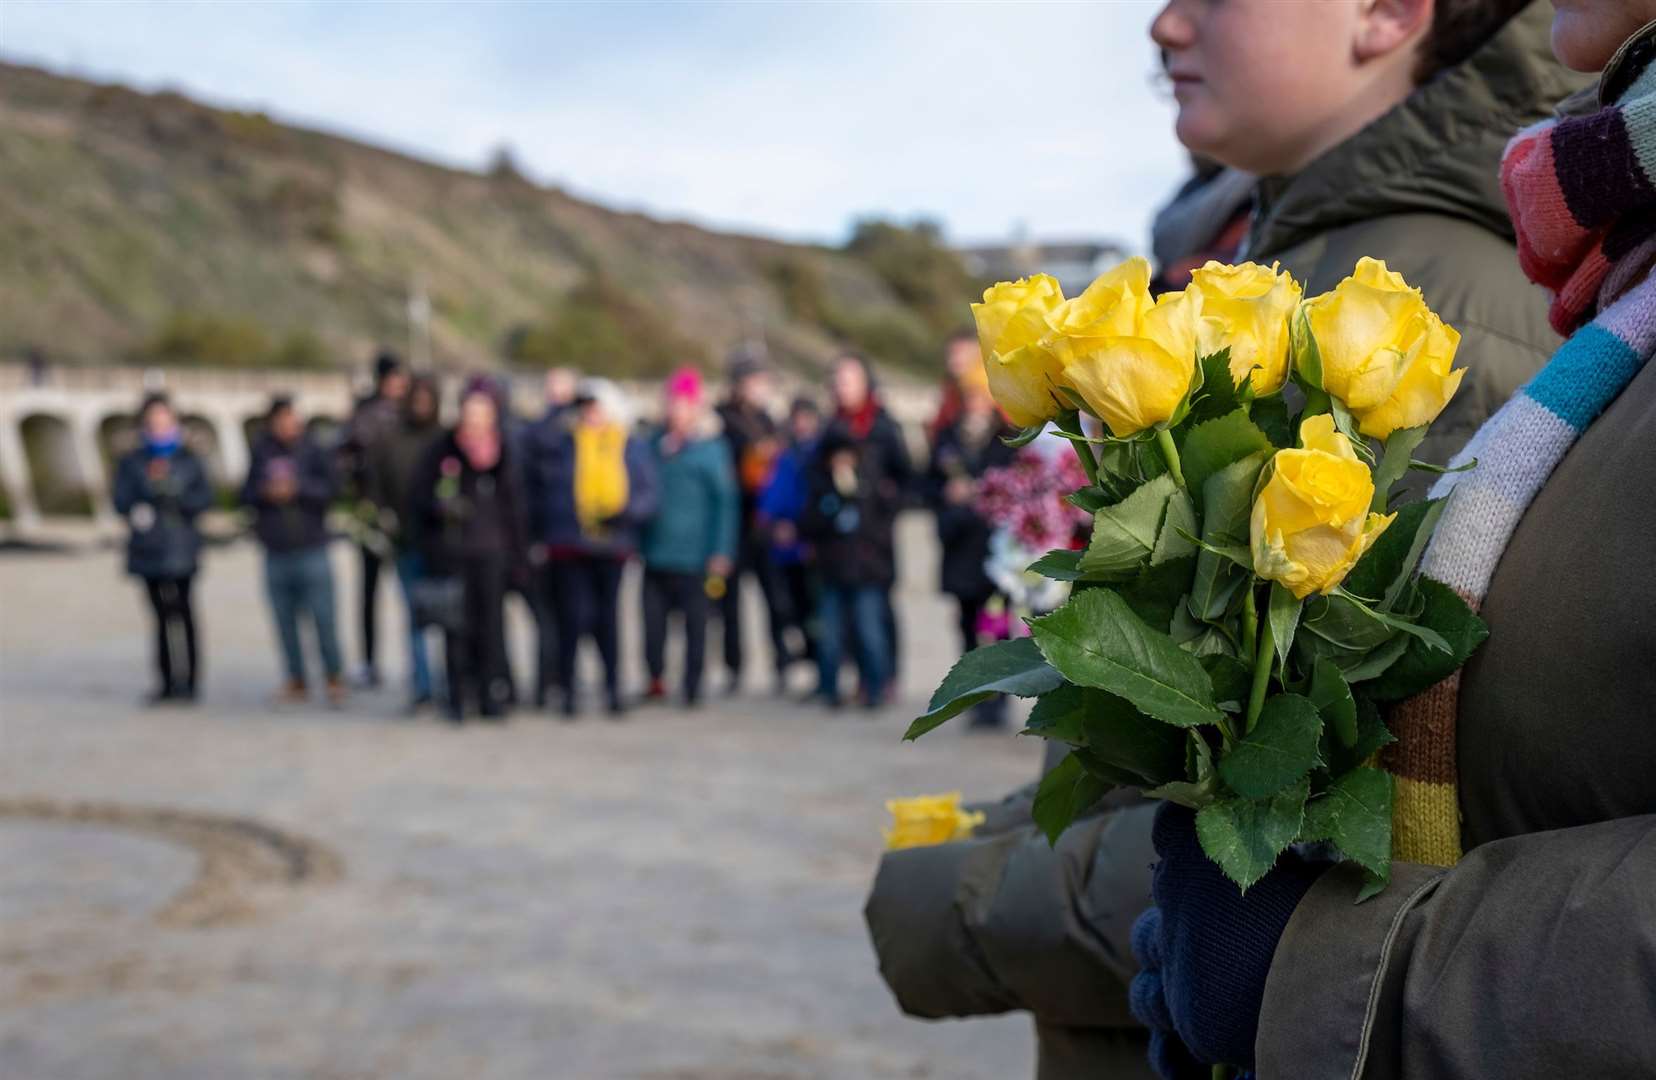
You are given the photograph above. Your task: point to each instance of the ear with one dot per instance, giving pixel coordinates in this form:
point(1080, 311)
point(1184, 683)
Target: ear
point(1386, 26)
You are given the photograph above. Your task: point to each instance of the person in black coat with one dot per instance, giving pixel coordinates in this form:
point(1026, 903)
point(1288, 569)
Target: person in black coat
point(161, 487)
point(290, 485)
point(466, 508)
point(848, 518)
point(754, 441)
point(968, 445)
point(862, 422)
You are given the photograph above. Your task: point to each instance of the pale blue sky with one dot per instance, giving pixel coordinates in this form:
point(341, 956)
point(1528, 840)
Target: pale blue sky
point(789, 119)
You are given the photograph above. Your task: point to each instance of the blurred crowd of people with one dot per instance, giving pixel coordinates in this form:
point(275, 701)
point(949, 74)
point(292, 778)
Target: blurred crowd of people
point(792, 501)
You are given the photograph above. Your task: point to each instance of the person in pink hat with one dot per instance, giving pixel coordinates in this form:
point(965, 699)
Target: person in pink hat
point(689, 547)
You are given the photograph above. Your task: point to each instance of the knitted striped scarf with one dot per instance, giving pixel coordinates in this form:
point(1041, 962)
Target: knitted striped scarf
point(1582, 192)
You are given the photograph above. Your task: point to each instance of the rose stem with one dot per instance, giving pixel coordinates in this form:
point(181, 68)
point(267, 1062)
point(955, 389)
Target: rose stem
point(1261, 670)
point(1164, 440)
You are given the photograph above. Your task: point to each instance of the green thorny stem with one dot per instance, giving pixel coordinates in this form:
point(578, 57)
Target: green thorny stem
point(1170, 453)
point(1265, 649)
point(1070, 421)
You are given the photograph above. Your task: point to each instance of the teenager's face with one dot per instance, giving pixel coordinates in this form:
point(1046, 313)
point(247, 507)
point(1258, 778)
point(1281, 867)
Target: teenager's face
point(850, 384)
point(286, 426)
point(1587, 33)
point(478, 413)
point(681, 413)
point(1257, 80)
point(159, 422)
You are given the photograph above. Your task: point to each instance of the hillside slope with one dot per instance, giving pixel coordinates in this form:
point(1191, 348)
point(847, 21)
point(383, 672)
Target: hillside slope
point(149, 227)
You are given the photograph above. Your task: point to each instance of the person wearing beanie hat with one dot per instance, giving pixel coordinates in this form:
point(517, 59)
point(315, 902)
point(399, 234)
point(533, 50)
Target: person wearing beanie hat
point(689, 547)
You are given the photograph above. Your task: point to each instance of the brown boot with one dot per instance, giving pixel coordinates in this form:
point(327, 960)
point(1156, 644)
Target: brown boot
point(336, 692)
point(293, 692)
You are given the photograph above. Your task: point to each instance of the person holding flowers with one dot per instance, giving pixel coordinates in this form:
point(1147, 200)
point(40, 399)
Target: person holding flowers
point(1517, 934)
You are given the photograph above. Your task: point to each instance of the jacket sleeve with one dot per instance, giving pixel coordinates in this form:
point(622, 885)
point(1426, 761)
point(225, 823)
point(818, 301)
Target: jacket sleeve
point(1533, 956)
point(317, 481)
point(129, 487)
point(421, 526)
point(643, 485)
point(251, 496)
point(197, 496)
point(1009, 922)
point(727, 504)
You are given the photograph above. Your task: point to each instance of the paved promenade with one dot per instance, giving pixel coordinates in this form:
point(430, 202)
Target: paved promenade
point(237, 891)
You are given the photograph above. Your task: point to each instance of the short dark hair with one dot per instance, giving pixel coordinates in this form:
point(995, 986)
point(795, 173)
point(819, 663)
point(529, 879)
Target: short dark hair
point(279, 403)
point(961, 333)
point(151, 400)
point(1459, 29)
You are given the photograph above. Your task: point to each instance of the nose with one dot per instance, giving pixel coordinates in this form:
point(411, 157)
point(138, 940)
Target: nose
point(1172, 28)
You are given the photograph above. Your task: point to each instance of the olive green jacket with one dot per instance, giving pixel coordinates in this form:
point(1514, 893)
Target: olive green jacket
point(1004, 923)
point(1420, 188)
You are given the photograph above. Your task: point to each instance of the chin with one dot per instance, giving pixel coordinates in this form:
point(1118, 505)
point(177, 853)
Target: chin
point(1583, 43)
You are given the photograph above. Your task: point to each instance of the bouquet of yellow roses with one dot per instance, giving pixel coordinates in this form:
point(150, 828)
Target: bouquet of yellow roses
point(1249, 597)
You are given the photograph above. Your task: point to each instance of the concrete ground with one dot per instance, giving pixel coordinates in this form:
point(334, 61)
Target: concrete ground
point(241, 891)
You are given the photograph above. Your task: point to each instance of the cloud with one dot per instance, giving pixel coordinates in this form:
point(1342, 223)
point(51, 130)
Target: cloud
point(786, 119)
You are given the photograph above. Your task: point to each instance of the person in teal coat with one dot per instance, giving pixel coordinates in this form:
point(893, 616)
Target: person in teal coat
point(689, 547)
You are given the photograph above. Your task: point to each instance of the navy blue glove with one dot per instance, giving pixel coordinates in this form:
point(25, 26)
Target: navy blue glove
point(1205, 950)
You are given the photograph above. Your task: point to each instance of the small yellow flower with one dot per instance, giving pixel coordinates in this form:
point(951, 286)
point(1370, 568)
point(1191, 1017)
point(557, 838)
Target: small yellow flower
point(1248, 309)
point(1130, 359)
point(1385, 354)
point(1012, 324)
point(1311, 520)
point(929, 819)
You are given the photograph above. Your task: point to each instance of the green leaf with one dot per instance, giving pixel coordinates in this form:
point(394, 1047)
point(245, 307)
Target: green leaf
point(1421, 668)
point(1438, 470)
point(1096, 640)
point(1092, 499)
point(1065, 792)
point(1178, 525)
point(1227, 501)
point(1394, 462)
point(1337, 620)
point(1270, 414)
point(1120, 736)
point(1284, 613)
point(1385, 569)
point(1059, 565)
point(1025, 436)
point(1211, 446)
point(1159, 591)
point(1333, 699)
point(1231, 679)
point(1355, 814)
point(1218, 393)
point(1059, 715)
point(1375, 662)
point(1006, 667)
point(1372, 732)
point(1431, 638)
point(1124, 535)
point(1245, 836)
point(1279, 750)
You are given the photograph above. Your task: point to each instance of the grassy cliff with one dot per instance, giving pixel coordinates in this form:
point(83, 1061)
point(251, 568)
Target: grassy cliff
point(151, 228)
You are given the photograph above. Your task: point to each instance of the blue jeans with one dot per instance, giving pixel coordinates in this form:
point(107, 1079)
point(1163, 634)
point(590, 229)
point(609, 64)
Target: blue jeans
point(411, 568)
point(302, 582)
point(865, 606)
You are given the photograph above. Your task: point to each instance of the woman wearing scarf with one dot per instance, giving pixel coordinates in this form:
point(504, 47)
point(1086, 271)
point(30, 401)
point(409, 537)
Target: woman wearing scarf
point(1517, 938)
point(161, 488)
point(467, 511)
point(861, 425)
point(591, 489)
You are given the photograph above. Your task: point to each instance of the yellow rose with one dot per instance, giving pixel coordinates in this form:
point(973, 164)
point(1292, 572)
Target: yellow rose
point(1110, 307)
point(1248, 308)
point(1011, 324)
point(1311, 520)
point(1134, 375)
point(929, 819)
point(1385, 354)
